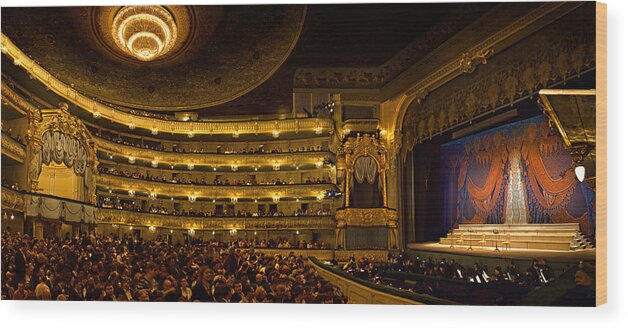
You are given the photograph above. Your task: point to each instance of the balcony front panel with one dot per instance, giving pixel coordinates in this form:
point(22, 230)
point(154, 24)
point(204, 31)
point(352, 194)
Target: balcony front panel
point(13, 149)
point(130, 218)
point(213, 191)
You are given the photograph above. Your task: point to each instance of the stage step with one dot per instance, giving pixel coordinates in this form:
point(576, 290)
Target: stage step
point(563, 237)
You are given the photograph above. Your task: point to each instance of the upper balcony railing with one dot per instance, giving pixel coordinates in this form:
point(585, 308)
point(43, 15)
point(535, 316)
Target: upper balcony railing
point(158, 124)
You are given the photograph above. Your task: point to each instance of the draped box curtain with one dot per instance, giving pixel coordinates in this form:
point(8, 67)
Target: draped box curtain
point(475, 168)
point(364, 191)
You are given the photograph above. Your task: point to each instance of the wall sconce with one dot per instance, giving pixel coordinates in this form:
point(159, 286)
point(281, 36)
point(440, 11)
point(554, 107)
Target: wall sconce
point(233, 231)
point(152, 229)
point(276, 166)
point(192, 198)
point(190, 166)
point(297, 232)
point(154, 163)
point(236, 134)
point(154, 131)
point(297, 167)
point(275, 133)
point(383, 133)
point(12, 216)
point(131, 193)
point(298, 200)
point(131, 160)
point(152, 195)
point(170, 231)
point(213, 200)
point(16, 62)
point(319, 164)
point(131, 228)
point(191, 232)
point(234, 199)
point(255, 233)
point(131, 126)
point(190, 134)
point(214, 169)
point(276, 198)
point(234, 167)
point(320, 197)
point(319, 130)
point(96, 115)
point(115, 226)
point(580, 172)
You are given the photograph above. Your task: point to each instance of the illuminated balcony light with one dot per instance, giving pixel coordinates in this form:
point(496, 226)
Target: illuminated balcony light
point(236, 134)
point(276, 166)
point(214, 169)
point(298, 200)
point(154, 131)
point(171, 231)
point(320, 197)
point(12, 216)
point(255, 233)
point(131, 228)
point(152, 229)
point(154, 163)
point(115, 226)
point(192, 198)
point(255, 200)
point(319, 164)
point(275, 133)
point(191, 232)
point(131, 193)
point(297, 232)
point(110, 156)
point(213, 233)
point(213, 200)
point(132, 160)
point(233, 231)
point(96, 115)
point(234, 167)
point(255, 169)
point(383, 133)
point(319, 130)
point(152, 195)
point(131, 126)
point(191, 166)
point(297, 167)
point(190, 134)
point(4, 50)
point(17, 62)
point(234, 199)
point(276, 198)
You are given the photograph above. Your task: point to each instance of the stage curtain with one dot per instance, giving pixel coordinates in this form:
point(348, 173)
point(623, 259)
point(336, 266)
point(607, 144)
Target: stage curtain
point(476, 169)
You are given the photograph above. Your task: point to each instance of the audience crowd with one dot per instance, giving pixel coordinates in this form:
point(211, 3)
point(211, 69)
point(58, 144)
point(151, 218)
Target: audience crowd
point(99, 268)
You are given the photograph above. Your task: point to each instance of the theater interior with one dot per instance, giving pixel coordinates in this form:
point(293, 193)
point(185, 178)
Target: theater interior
point(408, 153)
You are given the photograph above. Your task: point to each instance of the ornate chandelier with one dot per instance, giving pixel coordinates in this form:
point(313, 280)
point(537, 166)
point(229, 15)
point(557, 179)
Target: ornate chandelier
point(144, 32)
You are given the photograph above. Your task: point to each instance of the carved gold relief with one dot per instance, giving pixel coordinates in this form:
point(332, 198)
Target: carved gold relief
point(13, 200)
point(366, 217)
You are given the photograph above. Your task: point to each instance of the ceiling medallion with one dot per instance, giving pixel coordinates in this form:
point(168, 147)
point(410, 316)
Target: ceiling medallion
point(144, 32)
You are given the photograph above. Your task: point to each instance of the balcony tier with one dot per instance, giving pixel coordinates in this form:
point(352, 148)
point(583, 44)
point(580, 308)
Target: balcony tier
point(130, 218)
point(213, 191)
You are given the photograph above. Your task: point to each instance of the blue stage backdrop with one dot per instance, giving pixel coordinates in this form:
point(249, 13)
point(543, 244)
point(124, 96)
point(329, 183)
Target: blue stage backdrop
point(517, 173)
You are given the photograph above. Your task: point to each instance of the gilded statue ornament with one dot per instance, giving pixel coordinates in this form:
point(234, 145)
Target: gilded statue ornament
point(469, 61)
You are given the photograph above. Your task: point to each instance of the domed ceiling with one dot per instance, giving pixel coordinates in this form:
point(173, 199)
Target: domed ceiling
point(158, 58)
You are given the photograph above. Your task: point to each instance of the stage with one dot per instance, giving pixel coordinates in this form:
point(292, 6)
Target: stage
point(440, 250)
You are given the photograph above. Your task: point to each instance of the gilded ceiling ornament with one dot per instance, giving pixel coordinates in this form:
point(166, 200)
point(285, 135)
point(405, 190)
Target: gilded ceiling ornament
point(144, 32)
point(469, 61)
